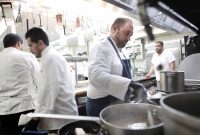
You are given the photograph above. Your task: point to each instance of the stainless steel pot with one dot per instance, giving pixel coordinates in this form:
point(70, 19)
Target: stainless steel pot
point(172, 81)
point(181, 113)
point(132, 119)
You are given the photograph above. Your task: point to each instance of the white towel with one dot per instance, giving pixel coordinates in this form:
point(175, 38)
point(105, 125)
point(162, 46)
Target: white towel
point(23, 119)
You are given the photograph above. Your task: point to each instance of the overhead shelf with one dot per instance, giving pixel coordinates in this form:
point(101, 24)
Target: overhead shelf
point(76, 59)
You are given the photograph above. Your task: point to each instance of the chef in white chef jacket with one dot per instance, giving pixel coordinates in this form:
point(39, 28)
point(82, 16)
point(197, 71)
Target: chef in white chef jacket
point(55, 91)
point(109, 70)
point(18, 81)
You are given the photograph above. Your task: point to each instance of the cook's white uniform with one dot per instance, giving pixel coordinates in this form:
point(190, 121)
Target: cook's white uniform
point(55, 91)
point(18, 80)
point(105, 72)
point(164, 59)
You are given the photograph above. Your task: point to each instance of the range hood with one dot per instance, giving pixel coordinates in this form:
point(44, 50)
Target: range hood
point(157, 18)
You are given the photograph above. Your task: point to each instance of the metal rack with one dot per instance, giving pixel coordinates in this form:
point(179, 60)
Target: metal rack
point(76, 60)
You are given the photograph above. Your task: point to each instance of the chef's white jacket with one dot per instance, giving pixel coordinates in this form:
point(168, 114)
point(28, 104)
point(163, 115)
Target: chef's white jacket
point(164, 59)
point(105, 72)
point(18, 79)
point(55, 91)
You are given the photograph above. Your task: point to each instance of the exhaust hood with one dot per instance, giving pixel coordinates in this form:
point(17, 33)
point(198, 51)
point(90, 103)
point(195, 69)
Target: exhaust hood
point(157, 18)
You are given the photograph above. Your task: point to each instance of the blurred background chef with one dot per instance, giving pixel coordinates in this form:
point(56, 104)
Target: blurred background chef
point(162, 60)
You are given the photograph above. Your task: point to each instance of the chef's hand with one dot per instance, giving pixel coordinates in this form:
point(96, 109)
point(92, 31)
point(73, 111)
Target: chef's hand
point(32, 125)
point(136, 92)
point(147, 76)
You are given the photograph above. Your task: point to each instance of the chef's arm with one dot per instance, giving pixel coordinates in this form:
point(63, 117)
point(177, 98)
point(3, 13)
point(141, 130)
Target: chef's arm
point(47, 94)
point(172, 66)
point(114, 85)
point(151, 71)
point(36, 69)
point(101, 77)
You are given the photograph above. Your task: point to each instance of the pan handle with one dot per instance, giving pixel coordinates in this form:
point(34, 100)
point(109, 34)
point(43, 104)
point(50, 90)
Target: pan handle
point(103, 130)
point(59, 116)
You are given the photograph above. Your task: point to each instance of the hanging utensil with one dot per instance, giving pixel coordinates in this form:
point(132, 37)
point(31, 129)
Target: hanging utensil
point(19, 17)
point(40, 20)
point(27, 25)
point(47, 21)
point(33, 17)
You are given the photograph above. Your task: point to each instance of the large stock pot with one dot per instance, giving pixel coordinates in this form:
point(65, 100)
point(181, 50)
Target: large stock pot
point(181, 113)
point(172, 81)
